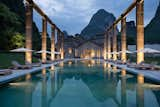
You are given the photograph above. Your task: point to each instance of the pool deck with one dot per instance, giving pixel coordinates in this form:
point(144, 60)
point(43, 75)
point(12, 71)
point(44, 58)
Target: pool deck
point(153, 75)
point(19, 73)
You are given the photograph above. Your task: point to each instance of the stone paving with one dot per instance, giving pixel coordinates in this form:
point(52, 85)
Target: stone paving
point(19, 73)
point(153, 75)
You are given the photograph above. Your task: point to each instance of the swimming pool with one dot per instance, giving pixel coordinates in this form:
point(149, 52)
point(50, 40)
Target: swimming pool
point(81, 84)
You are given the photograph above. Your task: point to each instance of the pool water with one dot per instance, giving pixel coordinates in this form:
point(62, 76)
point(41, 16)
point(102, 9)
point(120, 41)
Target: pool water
point(81, 84)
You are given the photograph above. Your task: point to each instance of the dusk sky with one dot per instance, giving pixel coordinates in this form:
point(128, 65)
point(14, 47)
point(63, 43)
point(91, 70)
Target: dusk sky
point(74, 15)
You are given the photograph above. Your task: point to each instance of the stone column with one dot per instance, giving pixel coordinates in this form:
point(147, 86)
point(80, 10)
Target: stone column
point(123, 40)
point(29, 19)
point(105, 48)
point(140, 30)
point(44, 39)
point(58, 43)
point(62, 45)
point(53, 43)
point(114, 43)
point(109, 45)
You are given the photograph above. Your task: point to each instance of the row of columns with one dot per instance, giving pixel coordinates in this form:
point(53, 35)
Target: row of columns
point(140, 37)
point(60, 36)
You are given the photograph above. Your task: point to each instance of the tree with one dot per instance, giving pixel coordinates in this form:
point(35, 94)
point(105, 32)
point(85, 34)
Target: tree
point(17, 41)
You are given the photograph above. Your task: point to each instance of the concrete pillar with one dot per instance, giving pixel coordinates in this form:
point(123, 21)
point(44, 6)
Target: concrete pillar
point(109, 45)
point(44, 39)
point(123, 40)
point(53, 43)
point(114, 43)
point(29, 19)
point(105, 47)
point(58, 43)
point(140, 30)
point(62, 46)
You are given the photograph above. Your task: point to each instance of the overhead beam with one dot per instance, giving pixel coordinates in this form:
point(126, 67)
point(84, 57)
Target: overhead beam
point(125, 13)
point(37, 8)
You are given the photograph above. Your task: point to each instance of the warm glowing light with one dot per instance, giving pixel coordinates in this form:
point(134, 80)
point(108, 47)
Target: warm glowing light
point(70, 50)
point(52, 67)
point(93, 62)
point(105, 65)
point(123, 72)
point(140, 79)
point(61, 64)
point(28, 76)
point(69, 63)
point(28, 57)
point(44, 71)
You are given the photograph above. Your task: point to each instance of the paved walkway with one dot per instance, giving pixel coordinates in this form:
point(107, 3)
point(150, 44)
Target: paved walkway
point(19, 73)
point(153, 75)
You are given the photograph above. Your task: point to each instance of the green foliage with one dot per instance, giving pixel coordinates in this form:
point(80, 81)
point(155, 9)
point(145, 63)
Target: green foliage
point(7, 58)
point(9, 24)
point(17, 41)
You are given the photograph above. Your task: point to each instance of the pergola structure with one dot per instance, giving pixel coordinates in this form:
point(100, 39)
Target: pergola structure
point(110, 32)
point(29, 6)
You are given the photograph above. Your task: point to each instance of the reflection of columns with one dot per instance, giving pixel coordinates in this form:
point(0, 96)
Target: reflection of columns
point(28, 92)
point(140, 30)
point(29, 18)
point(28, 77)
point(140, 91)
point(105, 69)
point(44, 39)
point(123, 88)
point(105, 47)
point(108, 45)
point(52, 82)
point(53, 43)
point(62, 46)
point(123, 39)
point(114, 43)
point(44, 89)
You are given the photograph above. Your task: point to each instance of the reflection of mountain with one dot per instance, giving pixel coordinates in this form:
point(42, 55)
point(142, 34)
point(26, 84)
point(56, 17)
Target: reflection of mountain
point(96, 83)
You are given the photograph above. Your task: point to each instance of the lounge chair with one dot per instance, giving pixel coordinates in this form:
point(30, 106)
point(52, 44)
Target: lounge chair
point(38, 64)
point(131, 65)
point(5, 71)
point(16, 65)
point(148, 67)
point(47, 62)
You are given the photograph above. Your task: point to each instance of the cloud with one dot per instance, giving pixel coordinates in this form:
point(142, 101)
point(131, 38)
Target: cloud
point(69, 14)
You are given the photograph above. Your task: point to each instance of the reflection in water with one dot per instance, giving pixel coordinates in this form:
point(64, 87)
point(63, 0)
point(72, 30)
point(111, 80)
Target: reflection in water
point(83, 87)
point(123, 88)
point(44, 89)
point(28, 77)
point(28, 92)
point(61, 64)
point(140, 91)
point(70, 63)
point(105, 70)
point(52, 68)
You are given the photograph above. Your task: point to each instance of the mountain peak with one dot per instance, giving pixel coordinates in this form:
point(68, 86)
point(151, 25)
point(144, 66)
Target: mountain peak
point(98, 23)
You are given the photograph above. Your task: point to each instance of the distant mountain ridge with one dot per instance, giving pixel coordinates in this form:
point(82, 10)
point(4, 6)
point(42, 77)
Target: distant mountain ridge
point(152, 30)
point(98, 24)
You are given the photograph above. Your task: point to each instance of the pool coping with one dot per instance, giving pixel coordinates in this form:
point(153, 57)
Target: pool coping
point(20, 73)
point(152, 75)
point(149, 74)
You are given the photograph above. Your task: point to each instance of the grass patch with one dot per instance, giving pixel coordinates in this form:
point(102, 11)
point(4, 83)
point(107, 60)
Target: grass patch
point(7, 58)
